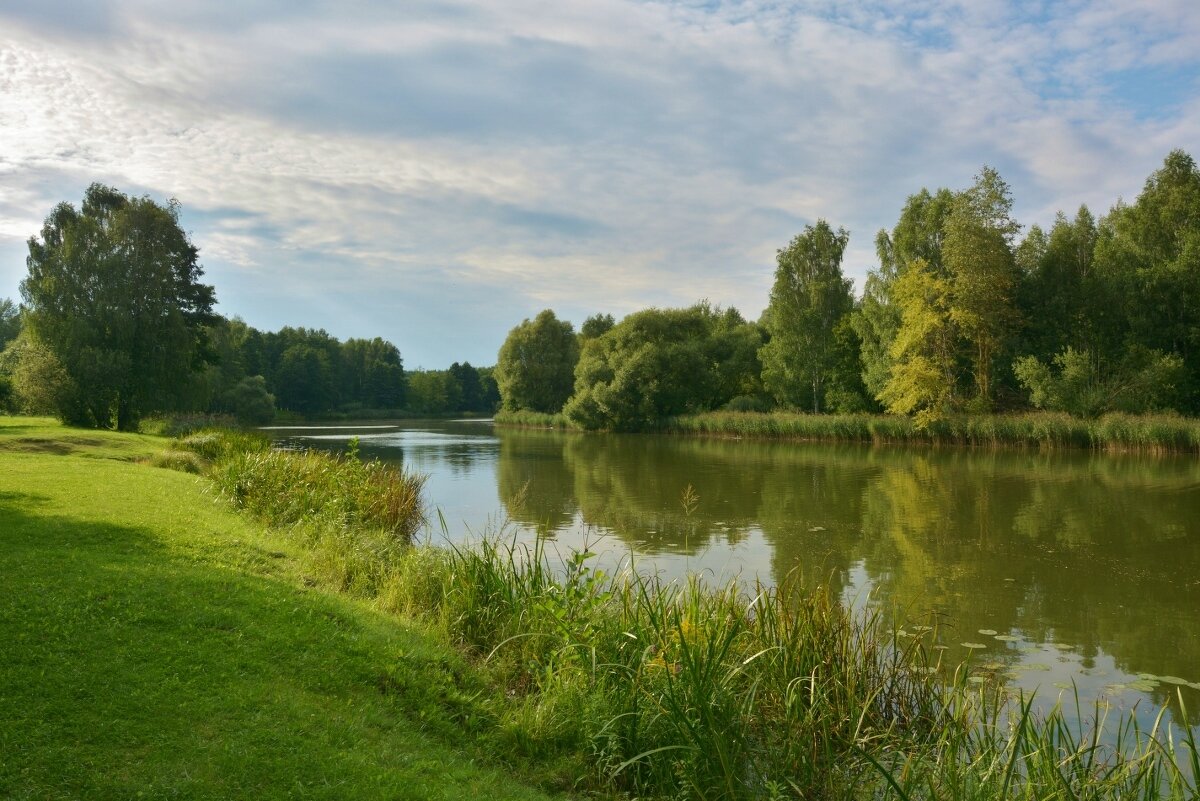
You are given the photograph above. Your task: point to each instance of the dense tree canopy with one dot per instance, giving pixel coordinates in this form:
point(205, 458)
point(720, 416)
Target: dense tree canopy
point(662, 362)
point(114, 293)
point(808, 300)
point(535, 369)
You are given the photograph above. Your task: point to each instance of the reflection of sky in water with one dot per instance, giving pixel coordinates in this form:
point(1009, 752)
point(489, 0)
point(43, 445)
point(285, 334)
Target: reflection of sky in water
point(473, 476)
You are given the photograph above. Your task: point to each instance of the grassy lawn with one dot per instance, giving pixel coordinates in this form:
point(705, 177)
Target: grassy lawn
point(155, 644)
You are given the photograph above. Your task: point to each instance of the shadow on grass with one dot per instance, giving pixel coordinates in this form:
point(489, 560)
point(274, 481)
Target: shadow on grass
point(128, 667)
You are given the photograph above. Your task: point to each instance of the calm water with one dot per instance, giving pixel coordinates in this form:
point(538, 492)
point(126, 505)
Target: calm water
point(1086, 567)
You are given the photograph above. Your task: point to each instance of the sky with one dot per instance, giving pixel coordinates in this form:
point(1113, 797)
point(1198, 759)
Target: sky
point(435, 172)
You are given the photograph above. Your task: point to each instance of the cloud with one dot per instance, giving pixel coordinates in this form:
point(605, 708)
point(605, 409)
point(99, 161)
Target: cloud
point(434, 172)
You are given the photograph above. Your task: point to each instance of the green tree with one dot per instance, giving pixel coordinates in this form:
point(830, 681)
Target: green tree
point(662, 362)
point(923, 379)
point(372, 373)
point(1144, 380)
point(978, 255)
point(304, 380)
point(113, 291)
point(808, 299)
point(535, 369)
point(1148, 256)
point(918, 234)
point(470, 388)
point(596, 325)
point(10, 322)
point(37, 381)
point(250, 401)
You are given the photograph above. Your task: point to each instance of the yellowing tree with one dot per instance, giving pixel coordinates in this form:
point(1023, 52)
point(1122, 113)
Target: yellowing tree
point(923, 379)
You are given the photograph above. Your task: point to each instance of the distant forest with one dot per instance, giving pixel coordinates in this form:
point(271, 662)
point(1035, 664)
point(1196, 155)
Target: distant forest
point(963, 315)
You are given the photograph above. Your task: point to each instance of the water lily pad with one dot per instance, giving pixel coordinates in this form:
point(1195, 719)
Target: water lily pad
point(1148, 676)
point(975, 679)
point(1195, 685)
point(1115, 689)
point(902, 633)
point(987, 632)
point(1172, 680)
point(941, 647)
point(1143, 685)
point(921, 628)
point(1064, 685)
point(1063, 646)
point(1034, 666)
point(992, 666)
point(817, 528)
point(973, 645)
point(1006, 638)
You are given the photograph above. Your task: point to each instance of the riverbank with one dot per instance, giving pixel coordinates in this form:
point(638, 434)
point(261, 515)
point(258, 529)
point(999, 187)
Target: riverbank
point(1112, 432)
point(607, 685)
point(157, 644)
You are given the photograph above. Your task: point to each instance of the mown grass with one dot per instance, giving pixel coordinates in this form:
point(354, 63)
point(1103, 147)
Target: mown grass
point(156, 644)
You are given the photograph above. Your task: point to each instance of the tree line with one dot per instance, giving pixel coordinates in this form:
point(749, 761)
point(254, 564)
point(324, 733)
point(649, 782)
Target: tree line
point(962, 315)
point(115, 323)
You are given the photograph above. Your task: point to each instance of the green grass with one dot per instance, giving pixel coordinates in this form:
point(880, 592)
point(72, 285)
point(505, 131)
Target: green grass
point(527, 419)
point(156, 644)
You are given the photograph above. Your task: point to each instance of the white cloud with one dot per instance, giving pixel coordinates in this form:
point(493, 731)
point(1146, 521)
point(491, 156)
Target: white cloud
point(599, 155)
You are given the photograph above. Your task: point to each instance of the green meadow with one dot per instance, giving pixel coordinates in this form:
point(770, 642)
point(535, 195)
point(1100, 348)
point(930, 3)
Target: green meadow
point(158, 644)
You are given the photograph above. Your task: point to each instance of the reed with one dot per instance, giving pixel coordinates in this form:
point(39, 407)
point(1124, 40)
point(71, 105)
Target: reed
point(689, 690)
point(286, 488)
point(1113, 432)
point(527, 419)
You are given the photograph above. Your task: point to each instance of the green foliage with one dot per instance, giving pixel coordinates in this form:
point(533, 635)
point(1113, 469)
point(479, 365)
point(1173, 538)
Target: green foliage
point(978, 257)
point(662, 362)
point(1142, 381)
point(917, 235)
point(1148, 256)
point(284, 488)
point(113, 292)
point(39, 383)
point(10, 322)
point(250, 402)
point(923, 380)
point(535, 369)
point(596, 325)
point(808, 300)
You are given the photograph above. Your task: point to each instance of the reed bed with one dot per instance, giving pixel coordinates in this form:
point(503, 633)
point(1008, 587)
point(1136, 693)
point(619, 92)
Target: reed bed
point(1113, 432)
point(527, 419)
point(684, 690)
point(286, 488)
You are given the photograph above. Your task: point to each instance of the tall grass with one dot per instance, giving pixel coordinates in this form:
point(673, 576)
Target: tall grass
point(1114, 432)
point(687, 690)
point(527, 419)
point(285, 488)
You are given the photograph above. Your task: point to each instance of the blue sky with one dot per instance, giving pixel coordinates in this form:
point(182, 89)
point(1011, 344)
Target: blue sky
point(433, 172)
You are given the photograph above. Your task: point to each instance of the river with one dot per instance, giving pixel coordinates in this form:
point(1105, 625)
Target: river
point(1053, 570)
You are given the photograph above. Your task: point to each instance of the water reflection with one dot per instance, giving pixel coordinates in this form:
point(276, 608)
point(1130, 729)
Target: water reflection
point(1086, 566)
